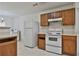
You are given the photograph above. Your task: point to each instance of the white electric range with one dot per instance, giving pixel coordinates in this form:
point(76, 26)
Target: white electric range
point(54, 40)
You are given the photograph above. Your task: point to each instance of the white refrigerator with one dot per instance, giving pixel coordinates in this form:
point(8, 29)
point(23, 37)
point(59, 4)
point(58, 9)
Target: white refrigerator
point(30, 34)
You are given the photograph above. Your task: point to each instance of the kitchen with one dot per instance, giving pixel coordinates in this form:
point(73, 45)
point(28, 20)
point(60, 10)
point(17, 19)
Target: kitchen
point(52, 30)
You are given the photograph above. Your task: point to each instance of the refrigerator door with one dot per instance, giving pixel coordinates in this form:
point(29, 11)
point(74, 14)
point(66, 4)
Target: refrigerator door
point(30, 33)
point(28, 38)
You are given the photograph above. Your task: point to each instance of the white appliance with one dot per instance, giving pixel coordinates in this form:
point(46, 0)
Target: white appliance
point(54, 36)
point(54, 41)
point(56, 19)
point(30, 33)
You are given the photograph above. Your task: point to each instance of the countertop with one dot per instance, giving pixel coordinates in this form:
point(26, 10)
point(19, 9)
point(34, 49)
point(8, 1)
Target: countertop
point(5, 27)
point(8, 36)
point(69, 34)
point(41, 33)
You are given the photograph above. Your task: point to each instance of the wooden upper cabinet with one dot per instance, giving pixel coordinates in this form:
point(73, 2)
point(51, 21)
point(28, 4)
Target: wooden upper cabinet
point(68, 16)
point(54, 15)
point(49, 16)
point(69, 45)
point(44, 20)
point(57, 14)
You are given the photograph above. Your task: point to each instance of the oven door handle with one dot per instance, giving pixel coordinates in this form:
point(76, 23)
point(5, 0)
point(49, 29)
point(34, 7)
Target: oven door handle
point(53, 45)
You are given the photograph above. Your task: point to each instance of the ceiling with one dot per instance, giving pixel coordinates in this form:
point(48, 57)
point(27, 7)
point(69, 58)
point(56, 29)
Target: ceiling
point(22, 8)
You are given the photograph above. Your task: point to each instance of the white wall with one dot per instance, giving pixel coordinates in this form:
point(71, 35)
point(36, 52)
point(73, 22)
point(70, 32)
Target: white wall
point(69, 29)
point(18, 24)
point(77, 21)
point(58, 8)
point(77, 25)
point(8, 20)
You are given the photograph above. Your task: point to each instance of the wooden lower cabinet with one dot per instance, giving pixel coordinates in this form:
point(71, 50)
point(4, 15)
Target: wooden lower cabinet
point(69, 45)
point(41, 42)
point(8, 48)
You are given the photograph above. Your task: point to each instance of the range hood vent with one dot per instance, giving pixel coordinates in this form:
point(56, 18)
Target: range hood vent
point(55, 20)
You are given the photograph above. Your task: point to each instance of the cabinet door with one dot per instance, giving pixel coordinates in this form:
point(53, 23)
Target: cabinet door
point(57, 14)
point(8, 48)
point(28, 37)
point(69, 45)
point(0, 51)
point(68, 17)
point(41, 43)
point(52, 15)
point(44, 20)
point(49, 15)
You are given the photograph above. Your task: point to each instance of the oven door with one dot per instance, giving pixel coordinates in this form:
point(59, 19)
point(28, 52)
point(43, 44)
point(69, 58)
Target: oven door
point(54, 40)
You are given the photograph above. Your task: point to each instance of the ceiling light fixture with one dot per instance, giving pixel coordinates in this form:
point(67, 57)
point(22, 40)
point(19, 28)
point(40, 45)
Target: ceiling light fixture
point(38, 4)
point(35, 4)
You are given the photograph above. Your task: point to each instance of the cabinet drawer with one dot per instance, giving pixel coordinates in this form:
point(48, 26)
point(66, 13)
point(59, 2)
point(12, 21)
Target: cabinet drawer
point(54, 49)
point(69, 37)
point(41, 35)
